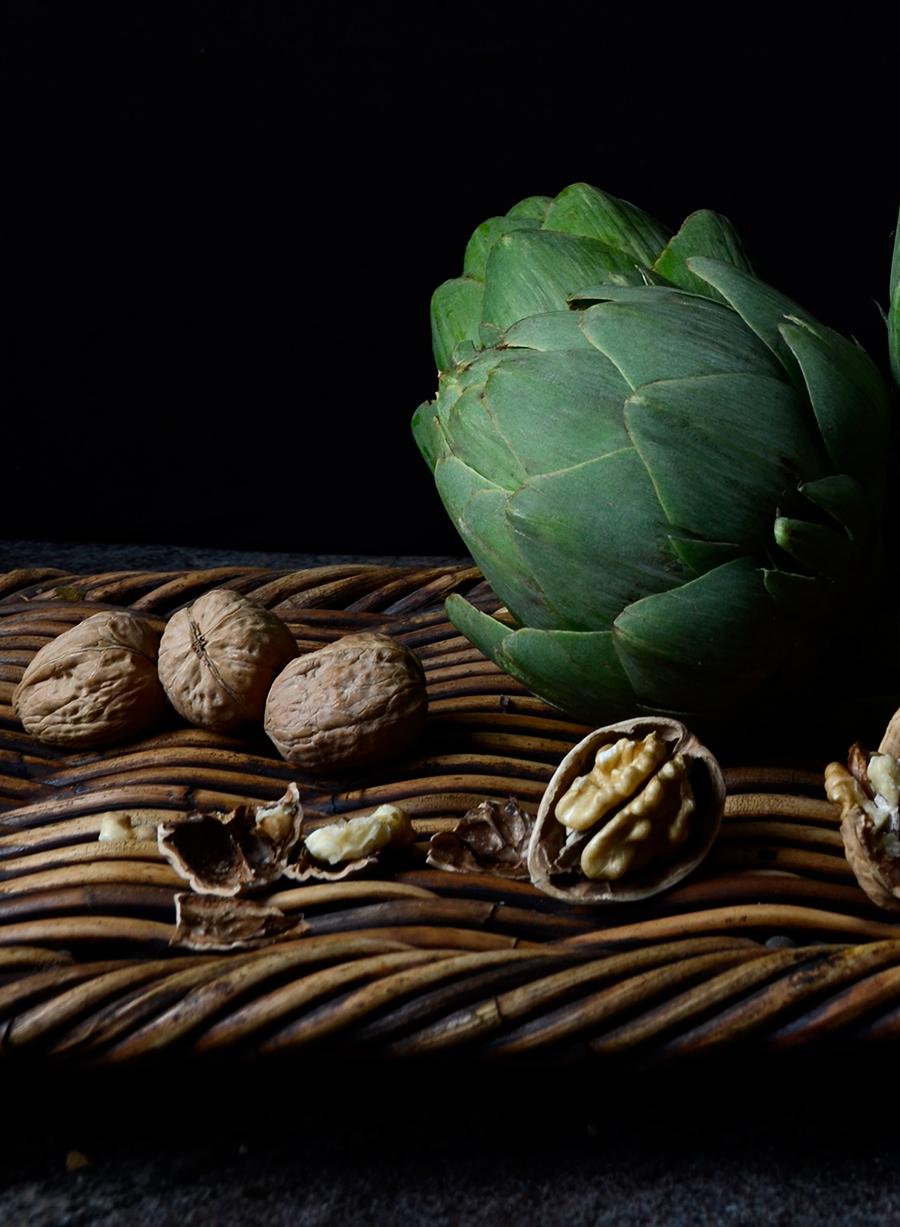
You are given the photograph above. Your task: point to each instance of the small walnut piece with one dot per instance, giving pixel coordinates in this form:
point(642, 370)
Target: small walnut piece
point(629, 812)
point(218, 658)
point(355, 702)
point(95, 684)
point(119, 827)
point(353, 838)
point(347, 847)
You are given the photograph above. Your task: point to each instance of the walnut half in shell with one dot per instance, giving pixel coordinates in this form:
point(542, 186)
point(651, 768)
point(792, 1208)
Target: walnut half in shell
point(869, 796)
point(630, 811)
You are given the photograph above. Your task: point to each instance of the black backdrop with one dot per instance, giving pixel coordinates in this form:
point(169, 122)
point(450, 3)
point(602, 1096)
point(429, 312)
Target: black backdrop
point(224, 223)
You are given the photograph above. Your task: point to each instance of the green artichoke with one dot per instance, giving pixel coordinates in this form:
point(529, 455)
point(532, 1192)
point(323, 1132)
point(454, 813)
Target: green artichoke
point(543, 250)
point(672, 478)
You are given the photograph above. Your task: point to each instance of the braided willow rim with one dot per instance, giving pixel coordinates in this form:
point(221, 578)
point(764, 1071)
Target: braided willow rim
point(771, 943)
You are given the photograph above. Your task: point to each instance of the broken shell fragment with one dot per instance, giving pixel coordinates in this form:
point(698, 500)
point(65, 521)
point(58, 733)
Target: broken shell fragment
point(348, 846)
point(206, 923)
point(489, 839)
point(224, 854)
point(870, 823)
point(630, 811)
point(307, 869)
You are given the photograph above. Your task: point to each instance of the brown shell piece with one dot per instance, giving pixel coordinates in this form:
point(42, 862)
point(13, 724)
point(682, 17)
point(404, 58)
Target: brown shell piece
point(489, 839)
point(878, 875)
point(857, 765)
point(355, 702)
point(205, 923)
point(219, 656)
point(225, 854)
point(307, 869)
point(93, 685)
point(553, 859)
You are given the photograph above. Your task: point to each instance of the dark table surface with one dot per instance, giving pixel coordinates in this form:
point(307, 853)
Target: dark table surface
point(778, 1142)
point(810, 1138)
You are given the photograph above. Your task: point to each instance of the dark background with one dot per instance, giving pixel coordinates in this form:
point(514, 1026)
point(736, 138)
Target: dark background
point(224, 223)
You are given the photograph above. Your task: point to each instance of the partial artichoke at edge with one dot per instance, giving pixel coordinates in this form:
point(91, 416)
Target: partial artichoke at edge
point(894, 308)
point(676, 494)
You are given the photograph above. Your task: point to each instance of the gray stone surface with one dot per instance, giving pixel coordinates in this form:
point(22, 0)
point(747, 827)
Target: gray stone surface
point(736, 1145)
point(86, 557)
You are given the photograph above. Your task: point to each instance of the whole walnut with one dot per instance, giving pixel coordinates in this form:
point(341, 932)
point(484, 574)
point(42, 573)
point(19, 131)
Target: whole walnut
point(355, 702)
point(218, 657)
point(95, 684)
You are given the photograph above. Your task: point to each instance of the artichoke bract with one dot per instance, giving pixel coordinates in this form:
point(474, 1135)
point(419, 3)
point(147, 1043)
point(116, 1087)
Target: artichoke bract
point(672, 476)
point(530, 260)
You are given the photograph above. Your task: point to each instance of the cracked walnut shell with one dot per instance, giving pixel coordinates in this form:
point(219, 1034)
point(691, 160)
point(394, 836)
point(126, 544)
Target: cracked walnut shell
point(630, 811)
point(95, 684)
point(218, 658)
point(868, 795)
point(355, 702)
point(490, 838)
point(226, 853)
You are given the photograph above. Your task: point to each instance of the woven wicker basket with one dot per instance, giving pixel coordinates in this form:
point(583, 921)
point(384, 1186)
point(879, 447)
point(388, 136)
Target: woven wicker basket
point(771, 943)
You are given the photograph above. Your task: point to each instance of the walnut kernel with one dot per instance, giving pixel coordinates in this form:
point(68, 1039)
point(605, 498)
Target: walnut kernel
point(354, 838)
point(119, 827)
point(649, 826)
point(618, 771)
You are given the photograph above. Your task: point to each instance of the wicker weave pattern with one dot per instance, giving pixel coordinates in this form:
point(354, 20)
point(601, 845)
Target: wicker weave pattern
point(427, 961)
